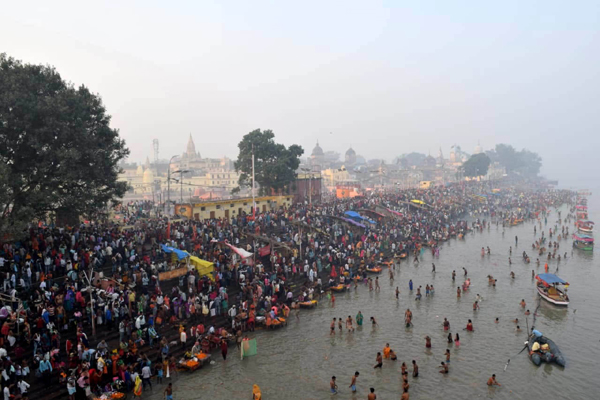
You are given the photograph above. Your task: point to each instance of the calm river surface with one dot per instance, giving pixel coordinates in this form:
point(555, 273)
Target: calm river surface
point(297, 361)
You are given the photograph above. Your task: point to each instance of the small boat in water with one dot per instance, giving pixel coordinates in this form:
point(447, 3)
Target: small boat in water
point(542, 349)
point(548, 289)
point(308, 304)
point(583, 241)
point(402, 255)
point(338, 288)
point(585, 226)
point(373, 270)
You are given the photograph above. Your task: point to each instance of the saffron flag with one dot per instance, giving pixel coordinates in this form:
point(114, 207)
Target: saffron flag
point(264, 251)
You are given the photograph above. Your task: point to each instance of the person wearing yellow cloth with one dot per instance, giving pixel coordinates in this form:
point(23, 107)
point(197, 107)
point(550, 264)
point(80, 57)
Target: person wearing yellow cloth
point(137, 389)
point(535, 347)
point(256, 393)
point(386, 351)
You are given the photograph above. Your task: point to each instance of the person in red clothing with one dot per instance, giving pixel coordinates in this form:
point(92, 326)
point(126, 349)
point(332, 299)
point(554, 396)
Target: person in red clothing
point(224, 349)
point(469, 326)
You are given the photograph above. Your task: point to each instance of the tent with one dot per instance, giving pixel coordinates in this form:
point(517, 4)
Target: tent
point(356, 216)
point(179, 253)
point(204, 268)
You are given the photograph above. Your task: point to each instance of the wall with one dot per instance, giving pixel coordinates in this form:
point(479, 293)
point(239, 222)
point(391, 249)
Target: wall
point(231, 208)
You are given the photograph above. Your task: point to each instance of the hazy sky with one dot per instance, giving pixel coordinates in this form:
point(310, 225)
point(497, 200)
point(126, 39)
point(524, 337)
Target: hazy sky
point(384, 77)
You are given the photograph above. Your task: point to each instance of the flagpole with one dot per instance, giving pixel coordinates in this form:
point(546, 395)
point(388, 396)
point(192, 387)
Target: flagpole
point(253, 212)
point(253, 199)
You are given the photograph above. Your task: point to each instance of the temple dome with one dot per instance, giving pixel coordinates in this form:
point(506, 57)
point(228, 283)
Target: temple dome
point(317, 151)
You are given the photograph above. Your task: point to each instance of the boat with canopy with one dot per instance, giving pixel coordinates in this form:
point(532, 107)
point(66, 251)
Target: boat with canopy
point(549, 288)
point(585, 226)
point(583, 241)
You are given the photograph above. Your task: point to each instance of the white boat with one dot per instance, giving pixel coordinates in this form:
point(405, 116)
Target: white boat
point(548, 289)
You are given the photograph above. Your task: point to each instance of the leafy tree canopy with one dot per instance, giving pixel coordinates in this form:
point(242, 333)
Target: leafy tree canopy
point(524, 162)
point(274, 165)
point(57, 150)
point(477, 165)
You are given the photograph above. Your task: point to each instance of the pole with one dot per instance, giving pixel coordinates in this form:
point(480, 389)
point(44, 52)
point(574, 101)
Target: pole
point(91, 300)
point(181, 184)
point(168, 202)
point(310, 189)
point(253, 198)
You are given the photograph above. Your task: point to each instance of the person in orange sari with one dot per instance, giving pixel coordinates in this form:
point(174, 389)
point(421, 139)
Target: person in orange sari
point(256, 393)
point(386, 351)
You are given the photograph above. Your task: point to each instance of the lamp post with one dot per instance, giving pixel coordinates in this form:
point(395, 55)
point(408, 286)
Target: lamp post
point(181, 172)
point(168, 202)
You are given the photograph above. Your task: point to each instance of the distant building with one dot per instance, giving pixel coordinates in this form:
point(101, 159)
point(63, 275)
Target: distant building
point(350, 158)
point(317, 158)
point(191, 161)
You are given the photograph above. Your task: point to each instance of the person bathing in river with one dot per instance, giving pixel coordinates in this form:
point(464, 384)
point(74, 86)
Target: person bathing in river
point(427, 342)
point(359, 319)
point(469, 327)
point(408, 317)
point(386, 351)
point(379, 361)
point(415, 373)
point(444, 368)
point(349, 324)
point(446, 324)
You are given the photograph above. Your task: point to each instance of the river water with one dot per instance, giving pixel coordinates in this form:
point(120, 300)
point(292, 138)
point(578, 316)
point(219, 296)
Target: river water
point(297, 361)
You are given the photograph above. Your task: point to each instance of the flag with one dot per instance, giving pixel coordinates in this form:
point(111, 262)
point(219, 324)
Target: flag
point(195, 232)
point(264, 251)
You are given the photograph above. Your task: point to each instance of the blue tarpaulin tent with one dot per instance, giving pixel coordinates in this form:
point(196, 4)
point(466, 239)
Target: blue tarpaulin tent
point(180, 253)
point(356, 216)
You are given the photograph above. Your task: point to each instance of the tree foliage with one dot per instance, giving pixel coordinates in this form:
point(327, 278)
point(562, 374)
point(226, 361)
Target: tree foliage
point(477, 165)
point(523, 162)
point(57, 149)
point(274, 165)
point(412, 159)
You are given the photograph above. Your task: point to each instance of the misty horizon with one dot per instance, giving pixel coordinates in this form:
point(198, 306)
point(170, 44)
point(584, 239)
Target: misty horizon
point(384, 79)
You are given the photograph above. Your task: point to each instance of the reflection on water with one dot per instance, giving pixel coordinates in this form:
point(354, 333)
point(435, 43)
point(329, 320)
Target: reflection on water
point(553, 313)
point(298, 361)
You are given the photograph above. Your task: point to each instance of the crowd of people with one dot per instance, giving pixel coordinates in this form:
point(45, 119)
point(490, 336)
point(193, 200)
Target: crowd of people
point(84, 306)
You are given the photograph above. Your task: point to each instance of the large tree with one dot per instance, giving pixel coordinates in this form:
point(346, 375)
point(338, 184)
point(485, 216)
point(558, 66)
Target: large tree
point(524, 162)
point(274, 165)
point(477, 165)
point(57, 150)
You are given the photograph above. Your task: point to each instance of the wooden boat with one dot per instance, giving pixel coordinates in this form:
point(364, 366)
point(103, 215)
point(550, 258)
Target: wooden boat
point(308, 304)
point(373, 270)
point(547, 287)
point(585, 226)
point(403, 254)
point(338, 288)
point(583, 242)
point(277, 323)
point(553, 353)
